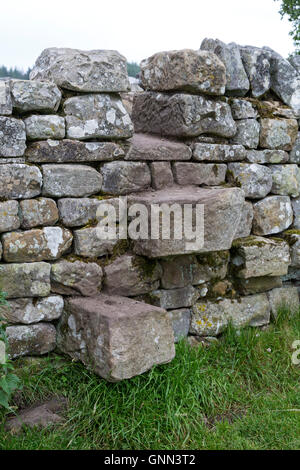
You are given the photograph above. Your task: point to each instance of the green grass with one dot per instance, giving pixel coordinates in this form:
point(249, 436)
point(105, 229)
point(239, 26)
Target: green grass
point(242, 393)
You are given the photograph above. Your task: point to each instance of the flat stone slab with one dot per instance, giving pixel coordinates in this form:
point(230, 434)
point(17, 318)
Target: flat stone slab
point(117, 337)
point(208, 174)
point(218, 153)
point(149, 147)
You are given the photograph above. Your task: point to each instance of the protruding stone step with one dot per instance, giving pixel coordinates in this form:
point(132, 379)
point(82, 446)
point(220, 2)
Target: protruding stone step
point(117, 337)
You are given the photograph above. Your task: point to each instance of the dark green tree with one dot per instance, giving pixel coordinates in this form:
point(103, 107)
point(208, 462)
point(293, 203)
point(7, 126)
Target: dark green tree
point(291, 9)
point(133, 69)
point(14, 73)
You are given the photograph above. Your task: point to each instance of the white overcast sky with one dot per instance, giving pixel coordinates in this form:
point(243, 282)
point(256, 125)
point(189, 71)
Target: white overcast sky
point(136, 28)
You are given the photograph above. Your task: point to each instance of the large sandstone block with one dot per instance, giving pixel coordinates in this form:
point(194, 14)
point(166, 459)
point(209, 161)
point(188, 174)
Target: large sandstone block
point(222, 208)
point(212, 318)
point(76, 278)
point(278, 133)
point(181, 115)
point(47, 244)
point(88, 71)
point(70, 180)
point(24, 340)
point(284, 297)
point(12, 137)
point(247, 133)
point(180, 271)
point(39, 127)
point(245, 225)
point(255, 180)
point(37, 212)
point(209, 174)
point(28, 96)
point(218, 152)
point(88, 244)
point(25, 280)
point(125, 177)
point(117, 337)
point(9, 216)
point(286, 180)
point(97, 116)
point(72, 151)
point(131, 275)
point(20, 181)
point(274, 214)
point(149, 147)
point(5, 98)
point(29, 310)
point(185, 70)
point(258, 256)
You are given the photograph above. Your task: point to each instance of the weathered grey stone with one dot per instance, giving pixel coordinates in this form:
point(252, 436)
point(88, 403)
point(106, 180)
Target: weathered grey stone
point(88, 244)
point(5, 98)
point(255, 285)
point(210, 174)
point(25, 280)
point(184, 70)
point(37, 212)
point(125, 177)
point(294, 241)
point(247, 133)
point(88, 71)
point(278, 133)
point(116, 336)
point(211, 319)
point(76, 278)
point(284, 297)
point(255, 180)
point(242, 109)
point(272, 215)
point(257, 256)
point(149, 147)
point(210, 267)
point(78, 212)
point(181, 115)
point(179, 271)
point(20, 181)
point(295, 153)
point(237, 83)
point(39, 127)
point(28, 95)
point(9, 216)
point(174, 298)
point(222, 208)
point(29, 311)
point(257, 66)
point(295, 62)
point(36, 245)
point(70, 180)
point(24, 340)
point(218, 152)
point(131, 275)
point(12, 137)
point(161, 175)
point(245, 225)
point(296, 210)
point(286, 181)
point(180, 322)
point(267, 156)
point(97, 116)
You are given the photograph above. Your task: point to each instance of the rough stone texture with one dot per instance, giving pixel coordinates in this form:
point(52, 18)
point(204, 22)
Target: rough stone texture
point(273, 109)
point(78, 212)
point(296, 210)
point(237, 83)
point(211, 266)
point(45, 127)
point(181, 115)
point(218, 152)
point(267, 156)
point(88, 244)
point(255, 180)
point(285, 180)
point(255, 285)
point(180, 322)
point(76, 278)
point(5, 98)
point(174, 298)
point(131, 275)
point(36, 245)
point(12, 137)
point(184, 70)
point(210, 174)
point(24, 340)
point(77, 70)
point(115, 336)
point(125, 177)
point(242, 109)
point(278, 133)
point(245, 225)
point(37, 212)
point(284, 297)
point(148, 147)
point(161, 175)
point(9, 216)
point(20, 181)
point(211, 319)
point(29, 311)
point(295, 61)
point(70, 180)
point(222, 208)
point(72, 151)
point(34, 96)
point(294, 241)
point(295, 153)
point(247, 133)
point(257, 256)
point(180, 271)
point(97, 116)
point(257, 66)
point(274, 214)
point(25, 280)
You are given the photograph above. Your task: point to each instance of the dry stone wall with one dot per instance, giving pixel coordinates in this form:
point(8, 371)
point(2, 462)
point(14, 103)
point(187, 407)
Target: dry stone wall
point(217, 127)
